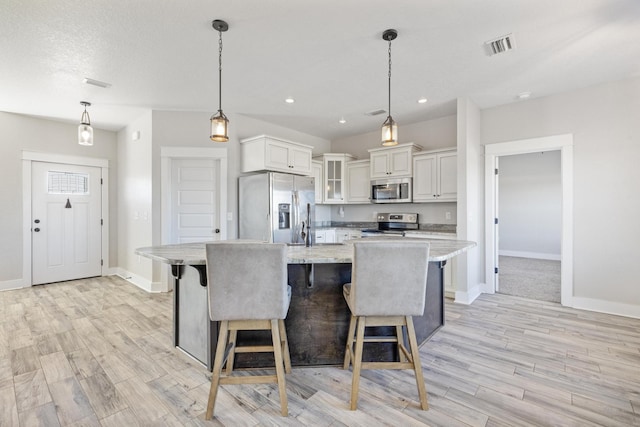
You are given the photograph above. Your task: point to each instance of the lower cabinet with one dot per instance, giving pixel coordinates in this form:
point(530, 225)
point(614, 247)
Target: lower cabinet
point(326, 236)
point(450, 268)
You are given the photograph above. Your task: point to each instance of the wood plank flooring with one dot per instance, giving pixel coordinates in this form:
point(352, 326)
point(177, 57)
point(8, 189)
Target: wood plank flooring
point(98, 352)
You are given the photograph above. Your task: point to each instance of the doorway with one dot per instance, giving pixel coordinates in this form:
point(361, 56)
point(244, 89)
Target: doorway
point(530, 222)
point(561, 143)
point(66, 217)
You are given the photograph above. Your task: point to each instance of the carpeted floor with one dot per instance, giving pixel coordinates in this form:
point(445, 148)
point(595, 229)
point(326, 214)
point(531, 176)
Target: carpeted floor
point(536, 279)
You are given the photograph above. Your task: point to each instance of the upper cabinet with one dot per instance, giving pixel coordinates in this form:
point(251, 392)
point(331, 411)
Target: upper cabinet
point(316, 172)
point(334, 177)
point(274, 154)
point(391, 162)
point(435, 176)
point(358, 182)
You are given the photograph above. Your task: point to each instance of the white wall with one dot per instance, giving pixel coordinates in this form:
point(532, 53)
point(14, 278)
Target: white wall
point(606, 132)
point(135, 210)
point(20, 133)
point(530, 197)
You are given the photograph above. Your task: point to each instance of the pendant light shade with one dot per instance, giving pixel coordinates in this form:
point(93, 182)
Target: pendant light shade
point(389, 127)
point(85, 131)
point(219, 122)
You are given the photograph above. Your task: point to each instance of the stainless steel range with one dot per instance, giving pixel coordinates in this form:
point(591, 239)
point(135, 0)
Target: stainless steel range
point(393, 223)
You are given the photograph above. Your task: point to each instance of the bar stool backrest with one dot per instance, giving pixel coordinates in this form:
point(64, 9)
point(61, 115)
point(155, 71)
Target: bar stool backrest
point(247, 281)
point(389, 278)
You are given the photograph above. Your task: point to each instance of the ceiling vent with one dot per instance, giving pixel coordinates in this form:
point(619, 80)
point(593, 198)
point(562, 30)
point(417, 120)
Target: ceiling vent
point(98, 83)
point(500, 45)
point(375, 112)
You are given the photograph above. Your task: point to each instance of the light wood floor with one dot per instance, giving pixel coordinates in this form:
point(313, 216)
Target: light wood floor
point(98, 352)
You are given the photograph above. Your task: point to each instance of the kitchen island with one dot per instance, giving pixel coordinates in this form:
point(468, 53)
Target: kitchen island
point(318, 317)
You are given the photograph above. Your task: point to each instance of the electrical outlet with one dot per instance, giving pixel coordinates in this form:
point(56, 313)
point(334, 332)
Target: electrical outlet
point(447, 215)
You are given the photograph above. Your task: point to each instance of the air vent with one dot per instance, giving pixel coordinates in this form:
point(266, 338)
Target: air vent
point(375, 112)
point(500, 45)
point(98, 83)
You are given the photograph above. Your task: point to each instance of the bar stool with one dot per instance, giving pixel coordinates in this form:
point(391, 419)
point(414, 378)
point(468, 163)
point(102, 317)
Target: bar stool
point(247, 289)
point(388, 286)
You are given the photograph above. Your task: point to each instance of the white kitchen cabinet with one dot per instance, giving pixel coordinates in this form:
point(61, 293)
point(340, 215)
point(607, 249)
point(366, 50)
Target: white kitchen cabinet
point(326, 236)
point(274, 154)
point(449, 274)
point(358, 182)
point(435, 177)
point(316, 172)
point(343, 234)
point(334, 177)
point(392, 162)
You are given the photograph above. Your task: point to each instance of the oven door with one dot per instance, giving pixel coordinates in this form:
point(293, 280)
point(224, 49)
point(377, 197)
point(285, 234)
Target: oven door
point(391, 190)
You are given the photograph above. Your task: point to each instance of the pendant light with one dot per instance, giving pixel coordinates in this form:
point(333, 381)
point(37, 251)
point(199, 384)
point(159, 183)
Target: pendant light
point(389, 127)
point(219, 122)
point(85, 131)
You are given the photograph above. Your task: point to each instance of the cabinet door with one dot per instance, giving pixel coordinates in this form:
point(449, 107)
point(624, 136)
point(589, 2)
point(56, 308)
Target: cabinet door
point(342, 235)
point(321, 236)
point(330, 236)
point(333, 177)
point(379, 165)
point(448, 177)
point(316, 172)
point(300, 160)
point(424, 178)
point(277, 155)
point(358, 182)
point(400, 162)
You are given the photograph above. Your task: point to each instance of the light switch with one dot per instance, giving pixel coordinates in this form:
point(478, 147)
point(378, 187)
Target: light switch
point(229, 216)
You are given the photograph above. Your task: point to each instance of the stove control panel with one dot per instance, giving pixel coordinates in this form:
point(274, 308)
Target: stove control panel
point(410, 218)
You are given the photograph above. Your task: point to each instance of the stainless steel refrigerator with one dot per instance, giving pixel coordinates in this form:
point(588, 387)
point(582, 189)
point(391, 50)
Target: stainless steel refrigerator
point(277, 208)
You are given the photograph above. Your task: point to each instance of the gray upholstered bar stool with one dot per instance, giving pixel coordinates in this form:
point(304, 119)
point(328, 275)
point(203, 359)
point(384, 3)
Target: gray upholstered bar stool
point(388, 286)
point(247, 287)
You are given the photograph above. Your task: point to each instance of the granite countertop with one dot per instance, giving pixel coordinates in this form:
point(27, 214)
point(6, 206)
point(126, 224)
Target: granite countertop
point(194, 253)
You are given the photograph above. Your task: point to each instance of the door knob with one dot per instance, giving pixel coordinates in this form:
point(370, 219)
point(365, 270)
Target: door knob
point(37, 221)
point(217, 230)
point(36, 229)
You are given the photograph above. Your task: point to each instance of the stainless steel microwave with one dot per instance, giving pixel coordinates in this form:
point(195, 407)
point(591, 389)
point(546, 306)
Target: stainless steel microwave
point(391, 190)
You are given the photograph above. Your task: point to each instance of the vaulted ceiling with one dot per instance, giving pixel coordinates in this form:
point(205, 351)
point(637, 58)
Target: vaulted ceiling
point(328, 55)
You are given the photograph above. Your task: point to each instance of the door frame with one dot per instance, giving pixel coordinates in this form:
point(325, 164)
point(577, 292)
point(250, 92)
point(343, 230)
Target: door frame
point(563, 143)
point(167, 154)
point(31, 156)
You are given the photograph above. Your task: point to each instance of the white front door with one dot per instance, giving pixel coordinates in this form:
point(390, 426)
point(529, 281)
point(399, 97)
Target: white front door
point(194, 200)
point(66, 222)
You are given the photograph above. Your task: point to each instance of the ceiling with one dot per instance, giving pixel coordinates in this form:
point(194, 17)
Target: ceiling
point(328, 55)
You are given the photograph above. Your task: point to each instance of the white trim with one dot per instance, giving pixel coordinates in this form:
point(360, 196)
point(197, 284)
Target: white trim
point(469, 296)
point(609, 307)
point(12, 284)
point(532, 255)
point(564, 143)
point(139, 281)
point(32, 156)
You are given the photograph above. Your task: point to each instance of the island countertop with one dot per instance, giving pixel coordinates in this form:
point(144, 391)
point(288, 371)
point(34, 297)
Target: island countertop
point(194, 253)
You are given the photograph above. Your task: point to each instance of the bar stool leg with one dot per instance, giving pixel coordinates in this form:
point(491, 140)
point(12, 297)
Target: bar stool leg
point(233, 335)
point(348, 351)
point(217, 367)
point(400, 337)
point(357, 363)
point(285, 346)
point(417, 366)
point(277, 353)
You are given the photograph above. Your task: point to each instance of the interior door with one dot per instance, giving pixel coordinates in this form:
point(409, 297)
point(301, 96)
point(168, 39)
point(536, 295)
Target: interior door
point(194, 200)
point(66, 222)
point(496, 228)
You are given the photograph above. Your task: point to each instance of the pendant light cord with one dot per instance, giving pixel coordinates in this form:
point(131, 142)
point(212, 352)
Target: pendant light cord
point(389, 78)
point(220, 71)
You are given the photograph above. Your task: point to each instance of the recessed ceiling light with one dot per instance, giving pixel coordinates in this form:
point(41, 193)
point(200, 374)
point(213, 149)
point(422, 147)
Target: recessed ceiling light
point(289, 100)
point(342, 120)
point(524, 95)
point(98, 83)
point(422, 101)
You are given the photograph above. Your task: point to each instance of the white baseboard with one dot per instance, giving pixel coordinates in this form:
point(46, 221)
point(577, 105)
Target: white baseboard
point(141, 282)
point(609, 307)
point(13, 284)
point(533, 255)
point(469, 296)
